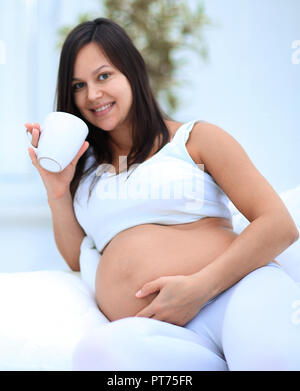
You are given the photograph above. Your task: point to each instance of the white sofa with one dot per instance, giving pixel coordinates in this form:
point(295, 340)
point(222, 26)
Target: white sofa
point(45, 313)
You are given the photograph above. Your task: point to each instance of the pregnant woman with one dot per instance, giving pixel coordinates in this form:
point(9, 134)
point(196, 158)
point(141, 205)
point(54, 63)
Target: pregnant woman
point(179, 288)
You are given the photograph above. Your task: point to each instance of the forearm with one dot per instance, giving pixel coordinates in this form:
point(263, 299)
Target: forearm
point(262, 240)
point(67, 232)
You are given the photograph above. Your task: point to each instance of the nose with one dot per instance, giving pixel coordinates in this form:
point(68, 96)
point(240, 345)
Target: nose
point(94, 93)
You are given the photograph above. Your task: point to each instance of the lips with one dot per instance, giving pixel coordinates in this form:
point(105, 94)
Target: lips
point(102, 113)
point(102, 105)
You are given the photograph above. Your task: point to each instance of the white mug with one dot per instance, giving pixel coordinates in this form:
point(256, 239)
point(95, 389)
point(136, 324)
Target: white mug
point(61, 137)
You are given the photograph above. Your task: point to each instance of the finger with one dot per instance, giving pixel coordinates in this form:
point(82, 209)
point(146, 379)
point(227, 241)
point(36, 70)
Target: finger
point(148, 288)
point(28, 127)
point(146, 312)
point(33, 156)
point(37, 126)
point(81, 151)
point(35, 137)
point(157, 317)
point(35, 162)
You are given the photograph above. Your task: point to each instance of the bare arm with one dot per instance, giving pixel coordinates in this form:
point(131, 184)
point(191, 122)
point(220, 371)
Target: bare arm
point(271, 228)
point(68, 233)
point(264, 239)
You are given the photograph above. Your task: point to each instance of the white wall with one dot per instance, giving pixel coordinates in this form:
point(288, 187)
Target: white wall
point(250, 88)
point(28, 71)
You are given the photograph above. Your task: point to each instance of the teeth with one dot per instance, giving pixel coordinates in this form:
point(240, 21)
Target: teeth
point(103, 107)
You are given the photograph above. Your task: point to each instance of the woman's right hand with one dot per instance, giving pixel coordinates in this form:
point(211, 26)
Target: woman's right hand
point(57, 183)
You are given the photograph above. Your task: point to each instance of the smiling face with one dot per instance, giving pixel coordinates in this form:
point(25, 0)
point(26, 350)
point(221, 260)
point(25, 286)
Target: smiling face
point(101, 92)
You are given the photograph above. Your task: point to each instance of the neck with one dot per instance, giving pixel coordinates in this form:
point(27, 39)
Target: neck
point(120, 140)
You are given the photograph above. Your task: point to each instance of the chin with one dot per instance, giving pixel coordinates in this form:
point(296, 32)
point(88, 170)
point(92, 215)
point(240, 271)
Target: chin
point(104, 125)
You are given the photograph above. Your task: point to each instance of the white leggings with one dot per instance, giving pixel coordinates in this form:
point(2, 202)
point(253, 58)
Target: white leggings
point(253, 325)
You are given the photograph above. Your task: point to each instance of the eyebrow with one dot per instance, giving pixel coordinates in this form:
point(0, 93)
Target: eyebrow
point(94, 72)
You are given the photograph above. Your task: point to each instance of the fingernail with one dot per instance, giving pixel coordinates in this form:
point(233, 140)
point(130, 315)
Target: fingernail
point(139, 293)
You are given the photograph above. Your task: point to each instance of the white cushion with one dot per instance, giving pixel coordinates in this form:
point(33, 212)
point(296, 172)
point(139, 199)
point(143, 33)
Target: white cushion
point(43, 316)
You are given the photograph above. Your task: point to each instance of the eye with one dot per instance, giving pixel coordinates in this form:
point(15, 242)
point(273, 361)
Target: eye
point(77, 86)
point(104, 74)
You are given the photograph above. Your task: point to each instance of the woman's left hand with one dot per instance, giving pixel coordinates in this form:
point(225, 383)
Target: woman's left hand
point(176, 303)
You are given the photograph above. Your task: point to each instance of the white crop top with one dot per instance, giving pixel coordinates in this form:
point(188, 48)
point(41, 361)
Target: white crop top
point(168, 188)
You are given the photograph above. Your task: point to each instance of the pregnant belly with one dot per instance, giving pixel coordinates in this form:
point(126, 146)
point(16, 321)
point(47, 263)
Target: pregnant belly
point(143, 253)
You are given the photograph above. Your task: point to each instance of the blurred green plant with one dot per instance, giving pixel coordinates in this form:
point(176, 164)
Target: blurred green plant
point(160, 29)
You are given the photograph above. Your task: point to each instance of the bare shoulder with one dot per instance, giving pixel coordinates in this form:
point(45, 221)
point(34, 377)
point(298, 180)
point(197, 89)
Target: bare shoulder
point(219, 152)
point(203, 129)
point(173, 126)
point(232, 169)
point(207, 139)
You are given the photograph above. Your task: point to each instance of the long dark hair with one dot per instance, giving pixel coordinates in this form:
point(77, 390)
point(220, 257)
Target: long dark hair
point(146, 114)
